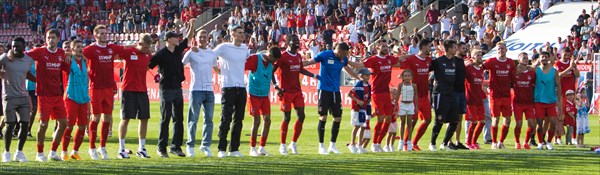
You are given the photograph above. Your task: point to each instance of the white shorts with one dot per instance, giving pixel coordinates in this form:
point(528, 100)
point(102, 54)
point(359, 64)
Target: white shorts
point(358, 118)
point(393, 127)
point(406, 109)
point(367, 134)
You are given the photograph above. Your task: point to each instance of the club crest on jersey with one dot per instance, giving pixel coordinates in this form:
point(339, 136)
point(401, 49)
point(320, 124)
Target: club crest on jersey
point(528, 77)
point(507, 66)
point(110, 51)
point(59, 58)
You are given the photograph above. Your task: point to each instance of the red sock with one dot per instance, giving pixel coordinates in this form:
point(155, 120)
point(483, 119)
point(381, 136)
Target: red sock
point(283, 131)
point(574, 132)
point(504, 133)
point(376, 132)
point(104, 134)
point(550, 136)
point(55, 146)
point(494, 134)
point(66, 138)
point(78, 139)
point(263, 140)
point(471, 133)
point(420, 131)
point(93, 134)
point(528, 134)
point(477, 132)
point(252, 140)
point(297, 130)
point(540, 136)
point(517, 134)
point(383, 131)
point(40, 148)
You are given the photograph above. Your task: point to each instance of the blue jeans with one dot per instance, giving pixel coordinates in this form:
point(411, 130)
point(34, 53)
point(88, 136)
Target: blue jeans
point(205, 99)
point(114, 28)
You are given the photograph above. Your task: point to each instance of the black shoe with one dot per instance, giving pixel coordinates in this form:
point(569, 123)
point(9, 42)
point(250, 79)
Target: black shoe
point(487, 142)
point(532, 143)
point(461, 146)
point(451, 146)
point(143, 154)
point(177, 152)
point(450, 143)
point(29, 135)
point(162, 154)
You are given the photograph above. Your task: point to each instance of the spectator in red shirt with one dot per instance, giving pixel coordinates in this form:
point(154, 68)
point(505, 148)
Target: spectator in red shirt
point(431, 17)
point(500, 7)
point(155, 14)
point(301, 22)
point(291, 23)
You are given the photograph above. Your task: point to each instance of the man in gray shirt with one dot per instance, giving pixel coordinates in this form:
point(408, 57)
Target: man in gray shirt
point(15, 97)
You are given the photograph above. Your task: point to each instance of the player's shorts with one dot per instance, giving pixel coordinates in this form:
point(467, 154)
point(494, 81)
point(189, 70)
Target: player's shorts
point(292, 98)
point(102, 101)
point(77, 114)
point(461, 99)
point(259, 105)
point(527, 109)
point(569, 121)
point(135, 105)
point(383, 104)
point(393, 127)
point(424, 109)
point(330, 102)
point(446, 109)
point(501, 107)
point(358, 118)
point(406, 109)
point(475, 113)
point(543, 109)
point(14, 106)
point(51, 107)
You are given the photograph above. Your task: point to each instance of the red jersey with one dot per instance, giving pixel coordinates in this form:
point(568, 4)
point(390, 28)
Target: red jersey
point(291, 21)
point(49, 66)
point(568, 81)
point(101, 64)
point(501, 76)
point(382, 72)
point(289, 71)
point(300, 21)
point(523, 87)
point(136, 66)
point(501, 6)
point(154, 10)
point(420, 71)
point(474, 85)
point(252, 63)
point(569, 107)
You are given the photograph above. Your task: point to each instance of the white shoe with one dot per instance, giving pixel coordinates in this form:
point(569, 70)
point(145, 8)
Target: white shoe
point(432, 148)
point(549, 146)
point(494, 145)
point(93, 154)
point(190, 151)
point(558, 142)
point(386, 149)
point(19, 156)
point(443, 147)
point(236, 154)
point(540, 146)
point(103, 153)
point(263, 152)
point(401, 145)
point(123, 154)
point(322, 149)
point(409, 146)
point(53, 156)
point(6, 156)
point(353, 149)
point(221, 154)
point(206, 151)
point(501, 145)
point(363, 150)
point(40, 157)
point(376, 148)
point(283, 149)
point(333, 149)
point(293, 148)
point(253, 152)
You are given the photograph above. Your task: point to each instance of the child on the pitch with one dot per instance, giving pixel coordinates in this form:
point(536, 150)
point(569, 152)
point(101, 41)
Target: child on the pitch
point(407, 94)
point(569, 111)
point(365, 131)
point(393, 129)
point(361, 96)
point(582, 125)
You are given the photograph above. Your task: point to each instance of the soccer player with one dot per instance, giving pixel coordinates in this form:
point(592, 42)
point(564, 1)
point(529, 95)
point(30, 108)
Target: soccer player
point(474, 96)
point(76, 100)
point(260, 66)
point(134, 100)
point(330, 100)
point(547, 98)
point(290, 91)
point(568, 72)
point(232, 58)
point(15, 97)
point(381, 66)
point(202, 61)
point(419, 65)
point(459, 62)
point(524, 82)
point(406, 108)
point(444, 95)
point(501, 71)
point(100, 56)
point(360, 95)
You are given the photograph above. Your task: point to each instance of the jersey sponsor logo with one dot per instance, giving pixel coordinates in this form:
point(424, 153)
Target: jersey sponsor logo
point(502, 72)
point(450, 71)
point(423, 70)
point(385, 68)
point(523, 83)
point(105, 58)
point(294, 67)
point(477, 80)
point(52, 66)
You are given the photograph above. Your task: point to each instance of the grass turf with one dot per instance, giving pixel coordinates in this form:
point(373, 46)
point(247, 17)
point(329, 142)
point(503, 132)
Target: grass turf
point(564, 159)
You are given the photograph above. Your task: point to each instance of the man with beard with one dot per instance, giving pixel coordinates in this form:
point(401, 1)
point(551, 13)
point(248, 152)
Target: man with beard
point(475, 96)
point(523, 100)
point(459, 87)
point(547, 98)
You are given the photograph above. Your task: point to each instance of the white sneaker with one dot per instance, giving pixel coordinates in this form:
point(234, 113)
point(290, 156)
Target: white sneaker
point(432, 148)
point(401, 144)
point(253, 152)
point(386, 149)
point(263, 152)
point(353, 149)
point(190, 151)
point(93, 154)
point(221, 154)
point(6, 156)
point(558, 142)
point(283, 149)
point(494, 145)
point(19, 156)
point(206, 151)
point(322, 149)
point(236, 154)
point(103, 153)
point(40, 157)
point(501, 145)
point(363, 150)
point(540, 146)
point(443, 147)
point(549, 146)
point(293, 148)
point(123, 154)
point(53, 156)
point(409, 146)
point(376, 148)
point(333, 149)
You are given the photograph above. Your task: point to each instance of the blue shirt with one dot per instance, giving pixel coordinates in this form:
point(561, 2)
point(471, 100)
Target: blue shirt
point(329, 73)
point(534, 13)
point(31, 84)
point(545, 87)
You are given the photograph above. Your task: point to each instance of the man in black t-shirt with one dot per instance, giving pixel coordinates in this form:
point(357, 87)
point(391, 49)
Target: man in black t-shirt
point(370, 28)
point(328, 36)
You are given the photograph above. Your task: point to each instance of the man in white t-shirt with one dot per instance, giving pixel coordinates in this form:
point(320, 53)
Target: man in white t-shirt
point(201, 60)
